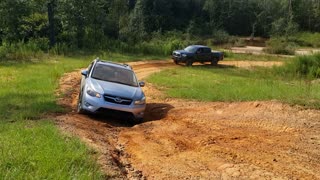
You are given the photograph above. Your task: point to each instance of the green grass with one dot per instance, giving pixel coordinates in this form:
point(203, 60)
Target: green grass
point(28, 88)
point(307, 67)
point(280, 45)
point(31, 147)
point(306, 39)
point(37, 150)
point(233, 84)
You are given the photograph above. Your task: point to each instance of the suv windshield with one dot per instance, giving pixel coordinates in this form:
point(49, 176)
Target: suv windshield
point(114, 74)
point(191, 49)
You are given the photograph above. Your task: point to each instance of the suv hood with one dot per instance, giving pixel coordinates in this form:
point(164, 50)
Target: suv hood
point(116, 89)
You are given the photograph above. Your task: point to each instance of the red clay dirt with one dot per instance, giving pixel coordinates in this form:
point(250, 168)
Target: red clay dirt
point(182, 139)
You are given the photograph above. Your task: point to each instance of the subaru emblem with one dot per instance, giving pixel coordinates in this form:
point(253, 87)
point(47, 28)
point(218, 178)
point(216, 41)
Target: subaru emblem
point(118, 99)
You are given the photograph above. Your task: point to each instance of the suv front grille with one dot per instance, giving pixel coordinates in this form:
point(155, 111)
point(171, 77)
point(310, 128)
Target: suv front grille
point(117, 99)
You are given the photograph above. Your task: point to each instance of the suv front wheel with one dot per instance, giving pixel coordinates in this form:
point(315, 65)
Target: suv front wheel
point(80, 110)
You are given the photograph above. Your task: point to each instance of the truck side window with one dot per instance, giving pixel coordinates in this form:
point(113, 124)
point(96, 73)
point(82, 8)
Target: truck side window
point(207, 50)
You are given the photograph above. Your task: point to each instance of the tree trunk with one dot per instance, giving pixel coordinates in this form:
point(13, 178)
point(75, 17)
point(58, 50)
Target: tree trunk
point(51, 23)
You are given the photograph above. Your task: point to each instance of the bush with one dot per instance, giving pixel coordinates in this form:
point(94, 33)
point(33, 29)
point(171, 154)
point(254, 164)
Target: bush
point(306, 39)
point(40, 44)
point(221, 37)
point(159, 44)
point(61, 49)
point(239, 43)
point(302, 66)
point(21, 51)
point(280, 46)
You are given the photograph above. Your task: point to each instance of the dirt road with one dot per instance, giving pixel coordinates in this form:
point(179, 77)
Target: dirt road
point(196, 140)
point(258, 50)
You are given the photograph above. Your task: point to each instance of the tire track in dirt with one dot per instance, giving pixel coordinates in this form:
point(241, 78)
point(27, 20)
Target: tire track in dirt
point(199, 140)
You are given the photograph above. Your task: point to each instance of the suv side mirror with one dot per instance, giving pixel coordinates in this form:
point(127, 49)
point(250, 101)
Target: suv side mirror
point(142, 84)
point(84, 73)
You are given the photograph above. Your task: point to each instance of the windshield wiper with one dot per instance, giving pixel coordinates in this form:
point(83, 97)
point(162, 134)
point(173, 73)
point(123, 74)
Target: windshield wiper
point(123, 83)
point(98, 78)
point(118, 82)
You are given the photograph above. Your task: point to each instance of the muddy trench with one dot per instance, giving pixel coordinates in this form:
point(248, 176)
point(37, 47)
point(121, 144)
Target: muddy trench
point(182, 139)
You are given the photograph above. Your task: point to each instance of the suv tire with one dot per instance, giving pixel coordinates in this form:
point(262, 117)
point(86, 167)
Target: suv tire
point(80, 110)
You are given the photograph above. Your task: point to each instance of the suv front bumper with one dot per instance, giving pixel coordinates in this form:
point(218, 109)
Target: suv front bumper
point(95, 105)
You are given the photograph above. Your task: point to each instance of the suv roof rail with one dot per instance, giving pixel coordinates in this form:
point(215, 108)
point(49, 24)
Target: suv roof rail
point(124, 65)
point(97, 59)
point(127, 65)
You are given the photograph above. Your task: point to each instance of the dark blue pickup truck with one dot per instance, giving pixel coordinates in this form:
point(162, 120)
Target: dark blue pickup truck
point(197, 53)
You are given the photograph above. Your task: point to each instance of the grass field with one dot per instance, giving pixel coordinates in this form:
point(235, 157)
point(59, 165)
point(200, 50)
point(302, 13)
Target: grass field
point(37, 150)
point(31, 146)
point(234, 84)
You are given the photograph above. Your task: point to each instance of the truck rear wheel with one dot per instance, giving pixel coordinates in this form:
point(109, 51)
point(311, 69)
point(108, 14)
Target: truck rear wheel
point(214, 62)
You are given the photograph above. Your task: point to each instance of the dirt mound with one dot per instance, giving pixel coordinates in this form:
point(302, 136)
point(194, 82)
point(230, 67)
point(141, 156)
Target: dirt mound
point(197, 140)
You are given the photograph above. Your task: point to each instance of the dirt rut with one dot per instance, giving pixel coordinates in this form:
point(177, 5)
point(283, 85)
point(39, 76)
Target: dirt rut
point(196, 140)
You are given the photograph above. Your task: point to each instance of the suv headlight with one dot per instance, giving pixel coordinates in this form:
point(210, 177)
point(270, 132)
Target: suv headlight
point(140, 102)
point(184, 55)
point(93, 93)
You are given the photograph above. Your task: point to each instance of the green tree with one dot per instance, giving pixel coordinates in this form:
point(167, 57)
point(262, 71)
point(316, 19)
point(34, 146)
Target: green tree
point(12, 15)
point(136, 29)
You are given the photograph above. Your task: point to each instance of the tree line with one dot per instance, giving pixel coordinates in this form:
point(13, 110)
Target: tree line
point(90, 23)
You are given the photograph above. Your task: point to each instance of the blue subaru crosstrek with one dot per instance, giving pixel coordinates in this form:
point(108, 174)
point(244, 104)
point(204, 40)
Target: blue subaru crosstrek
point(112, 88)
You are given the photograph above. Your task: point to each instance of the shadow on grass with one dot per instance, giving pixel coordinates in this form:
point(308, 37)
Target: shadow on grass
point(208, 66)
point(218, 66)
